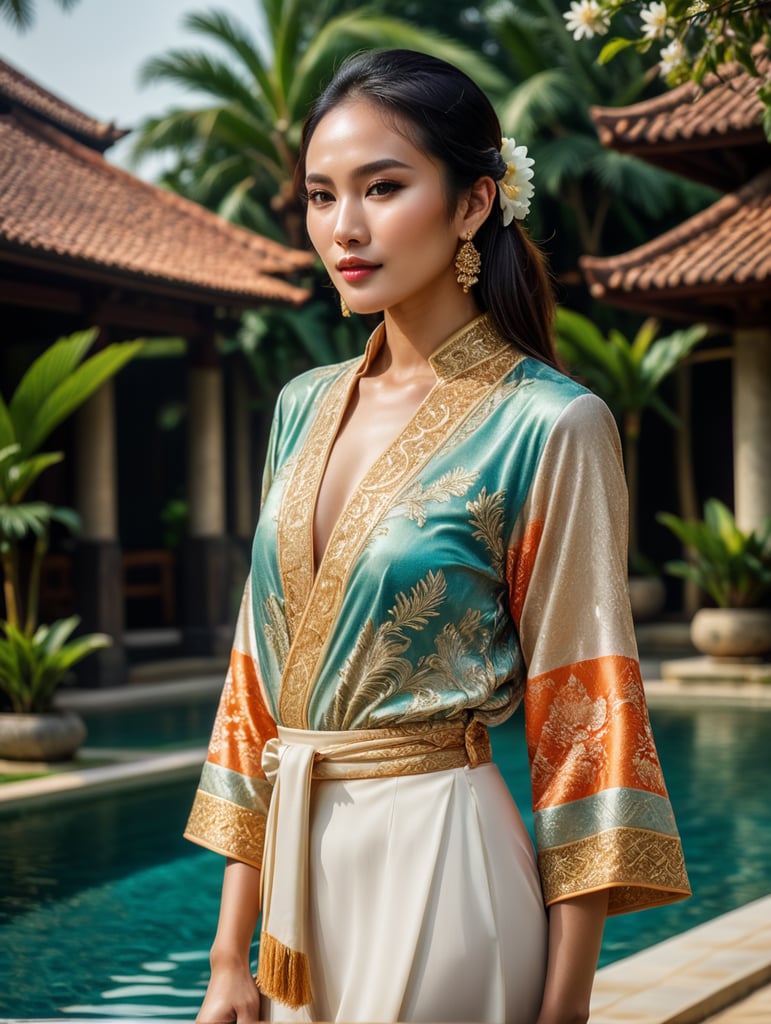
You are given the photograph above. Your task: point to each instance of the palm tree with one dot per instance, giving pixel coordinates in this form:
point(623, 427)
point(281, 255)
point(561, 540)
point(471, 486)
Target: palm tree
point(237, 153)
point(548, 110)
point(21, 13)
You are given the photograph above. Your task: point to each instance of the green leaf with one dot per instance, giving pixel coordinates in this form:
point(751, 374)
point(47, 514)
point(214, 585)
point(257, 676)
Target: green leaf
point(72, 392)
point(45, 375)
point(614, 46)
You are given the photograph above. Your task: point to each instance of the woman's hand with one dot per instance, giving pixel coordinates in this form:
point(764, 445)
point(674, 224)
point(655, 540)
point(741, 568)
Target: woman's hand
point(231, 997)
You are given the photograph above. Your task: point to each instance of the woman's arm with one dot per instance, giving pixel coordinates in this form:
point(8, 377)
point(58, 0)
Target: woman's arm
point(232, 994)
point(575, 936)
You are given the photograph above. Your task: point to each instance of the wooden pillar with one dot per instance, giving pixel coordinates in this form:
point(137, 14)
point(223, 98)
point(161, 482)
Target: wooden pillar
point(98, 569)
point(207, 615)
point(243, 460)
point(752, 426)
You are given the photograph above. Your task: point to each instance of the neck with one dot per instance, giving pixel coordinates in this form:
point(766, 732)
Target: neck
point(413, 334)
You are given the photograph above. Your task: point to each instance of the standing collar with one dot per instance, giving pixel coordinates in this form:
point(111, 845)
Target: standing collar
point(474, 343)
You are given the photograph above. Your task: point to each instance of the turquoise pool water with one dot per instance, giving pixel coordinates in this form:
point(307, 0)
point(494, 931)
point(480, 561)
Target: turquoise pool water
point(165, 725)
point(106, 911)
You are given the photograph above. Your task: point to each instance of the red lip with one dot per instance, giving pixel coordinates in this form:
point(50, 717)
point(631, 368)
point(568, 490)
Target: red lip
point(358, 271)
point(353, 268)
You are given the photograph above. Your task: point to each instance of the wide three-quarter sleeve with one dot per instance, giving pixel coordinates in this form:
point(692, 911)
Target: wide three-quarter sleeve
point(231, 803)
point(603, 819)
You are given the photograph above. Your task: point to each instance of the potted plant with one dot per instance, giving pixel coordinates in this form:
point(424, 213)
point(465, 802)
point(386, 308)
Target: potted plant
point(34, 658)
point(627, 375)
point(733, 568)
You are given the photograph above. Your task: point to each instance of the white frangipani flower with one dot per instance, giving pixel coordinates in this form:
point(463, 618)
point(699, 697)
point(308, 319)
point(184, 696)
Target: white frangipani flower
point(671, 56)
point(656, 23)
point(515, 188)
point(586, 18)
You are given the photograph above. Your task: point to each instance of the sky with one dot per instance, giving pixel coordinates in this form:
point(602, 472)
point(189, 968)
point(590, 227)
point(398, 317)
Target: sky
point(91, 56)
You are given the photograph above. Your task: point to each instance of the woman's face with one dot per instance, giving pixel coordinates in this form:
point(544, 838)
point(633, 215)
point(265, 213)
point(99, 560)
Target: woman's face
point(378, 211)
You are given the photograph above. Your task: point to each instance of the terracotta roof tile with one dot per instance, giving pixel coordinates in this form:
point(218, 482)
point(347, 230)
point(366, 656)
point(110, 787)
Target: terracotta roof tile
point(682, 128)
point(16, 90)
point(64, 205)
point(725, 105)
point(716, 264)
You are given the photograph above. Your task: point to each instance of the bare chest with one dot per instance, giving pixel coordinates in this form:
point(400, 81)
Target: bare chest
point(375, 418)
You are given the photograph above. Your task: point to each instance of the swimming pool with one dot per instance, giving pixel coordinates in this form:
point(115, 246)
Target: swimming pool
point(106, 911)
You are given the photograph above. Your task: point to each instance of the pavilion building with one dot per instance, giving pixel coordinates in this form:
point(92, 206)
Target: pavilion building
point(716, 266)
point(84, 243)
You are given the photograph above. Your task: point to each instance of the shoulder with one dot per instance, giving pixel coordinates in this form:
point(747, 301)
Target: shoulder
point(556, 406)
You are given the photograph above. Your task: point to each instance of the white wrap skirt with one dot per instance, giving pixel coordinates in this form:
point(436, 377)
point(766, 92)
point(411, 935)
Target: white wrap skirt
point(424, 902)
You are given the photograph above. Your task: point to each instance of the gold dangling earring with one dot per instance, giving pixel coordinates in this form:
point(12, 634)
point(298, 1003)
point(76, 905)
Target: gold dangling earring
point(344, 307)
point(468, 263)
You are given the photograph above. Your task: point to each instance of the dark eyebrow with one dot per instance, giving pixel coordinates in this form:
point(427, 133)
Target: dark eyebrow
point(374, 167)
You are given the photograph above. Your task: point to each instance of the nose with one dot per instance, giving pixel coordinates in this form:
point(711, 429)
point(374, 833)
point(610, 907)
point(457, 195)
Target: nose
point(350, 224)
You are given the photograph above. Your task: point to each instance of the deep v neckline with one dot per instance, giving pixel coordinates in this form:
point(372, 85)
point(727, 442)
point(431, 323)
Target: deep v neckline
point(341, 424)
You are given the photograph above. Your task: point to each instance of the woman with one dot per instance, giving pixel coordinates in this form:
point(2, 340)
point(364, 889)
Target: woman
point(442, 535)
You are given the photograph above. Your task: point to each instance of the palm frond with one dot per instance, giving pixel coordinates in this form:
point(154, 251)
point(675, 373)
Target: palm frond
point(226, 29)
point(543, 98)
point(198, 71)
point(564, 159)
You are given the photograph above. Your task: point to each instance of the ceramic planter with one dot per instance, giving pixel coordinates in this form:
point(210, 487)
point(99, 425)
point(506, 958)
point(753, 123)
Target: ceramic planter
point(732, 632)
point(49, 736)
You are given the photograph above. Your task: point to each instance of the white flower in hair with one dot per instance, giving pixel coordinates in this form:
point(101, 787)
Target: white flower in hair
point(515, 188)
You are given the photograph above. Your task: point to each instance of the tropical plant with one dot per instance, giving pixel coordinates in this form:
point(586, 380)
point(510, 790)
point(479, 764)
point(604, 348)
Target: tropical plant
point(627, 375)
point(583, 189)
point(21, 13)
point(31, 667)
point(53, 387)
point(237, 153)
point(730, 565)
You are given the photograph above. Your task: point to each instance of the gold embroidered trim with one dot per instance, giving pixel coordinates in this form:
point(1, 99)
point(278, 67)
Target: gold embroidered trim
point(283, 974)
point(469, 364)
point(641, 869)
point(226, 828)
point(294, 532)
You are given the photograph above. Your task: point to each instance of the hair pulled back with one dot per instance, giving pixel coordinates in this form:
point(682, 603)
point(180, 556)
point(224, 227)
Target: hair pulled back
point(452, 120)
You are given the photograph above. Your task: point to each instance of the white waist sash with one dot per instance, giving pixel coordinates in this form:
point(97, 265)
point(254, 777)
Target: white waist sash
point(290, 762)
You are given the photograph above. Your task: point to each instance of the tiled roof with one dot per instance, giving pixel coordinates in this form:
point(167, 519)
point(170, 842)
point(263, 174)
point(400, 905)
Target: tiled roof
point(682, 128)
point(18, 91)
point(715, 266)
point(63, 206)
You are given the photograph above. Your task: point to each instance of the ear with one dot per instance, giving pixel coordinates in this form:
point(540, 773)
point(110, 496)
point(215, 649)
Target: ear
point(475, 206)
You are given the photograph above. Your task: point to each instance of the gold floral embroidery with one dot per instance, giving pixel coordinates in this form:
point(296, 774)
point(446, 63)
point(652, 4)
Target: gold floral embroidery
point(226, 828)
point(453, 484)
point(487, 516)
point(376, 668)
point(275, 630)
point(641, 868)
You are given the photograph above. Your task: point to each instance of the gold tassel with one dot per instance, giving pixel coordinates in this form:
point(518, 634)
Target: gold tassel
point(283, 974)
point(468, 263)
point(344, 307)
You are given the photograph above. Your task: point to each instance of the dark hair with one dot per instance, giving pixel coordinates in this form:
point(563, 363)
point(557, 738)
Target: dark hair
point(455, 122)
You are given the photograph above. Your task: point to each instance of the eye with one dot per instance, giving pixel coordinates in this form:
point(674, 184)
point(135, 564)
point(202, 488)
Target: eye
point(318, 197)
point(383, 188)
